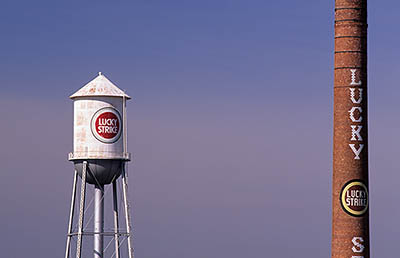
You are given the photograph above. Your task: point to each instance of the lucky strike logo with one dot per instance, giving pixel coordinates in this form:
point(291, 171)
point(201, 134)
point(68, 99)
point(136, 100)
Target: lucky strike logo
point(354, 198)
point(106, 125)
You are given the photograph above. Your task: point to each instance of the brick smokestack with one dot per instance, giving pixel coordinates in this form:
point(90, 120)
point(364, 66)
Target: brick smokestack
point(350, 218)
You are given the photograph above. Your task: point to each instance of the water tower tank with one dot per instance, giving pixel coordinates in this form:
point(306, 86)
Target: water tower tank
point(100, 130)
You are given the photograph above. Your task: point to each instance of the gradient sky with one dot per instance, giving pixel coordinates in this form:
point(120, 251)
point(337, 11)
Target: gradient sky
point(230, 122)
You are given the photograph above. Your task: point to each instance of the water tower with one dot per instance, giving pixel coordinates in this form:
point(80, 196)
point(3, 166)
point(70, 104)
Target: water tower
point(99, 156)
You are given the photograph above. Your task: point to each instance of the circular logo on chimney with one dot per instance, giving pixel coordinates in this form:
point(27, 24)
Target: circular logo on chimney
point(106, 125)
point(354, 198)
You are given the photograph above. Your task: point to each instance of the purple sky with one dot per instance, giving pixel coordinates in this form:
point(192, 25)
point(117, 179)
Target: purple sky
point(230, 125)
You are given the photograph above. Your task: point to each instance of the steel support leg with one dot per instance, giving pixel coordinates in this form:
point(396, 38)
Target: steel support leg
point(98, 220)
point(116, 224)
point(81, 211)
point(127, 213)
point(71, 215)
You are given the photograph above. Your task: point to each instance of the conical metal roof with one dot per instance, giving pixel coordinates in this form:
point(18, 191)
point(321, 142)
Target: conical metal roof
point(100, 86)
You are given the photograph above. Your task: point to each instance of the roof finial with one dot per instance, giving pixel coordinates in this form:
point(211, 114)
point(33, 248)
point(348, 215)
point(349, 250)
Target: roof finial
point(100, 73)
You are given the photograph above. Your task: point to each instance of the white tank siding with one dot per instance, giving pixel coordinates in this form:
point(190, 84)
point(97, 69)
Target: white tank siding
point(87, 143)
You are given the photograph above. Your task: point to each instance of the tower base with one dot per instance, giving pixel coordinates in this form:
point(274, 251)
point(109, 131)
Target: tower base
point(77, 230)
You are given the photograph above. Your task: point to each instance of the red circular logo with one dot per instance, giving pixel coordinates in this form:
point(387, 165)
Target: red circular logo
point(106, 125)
